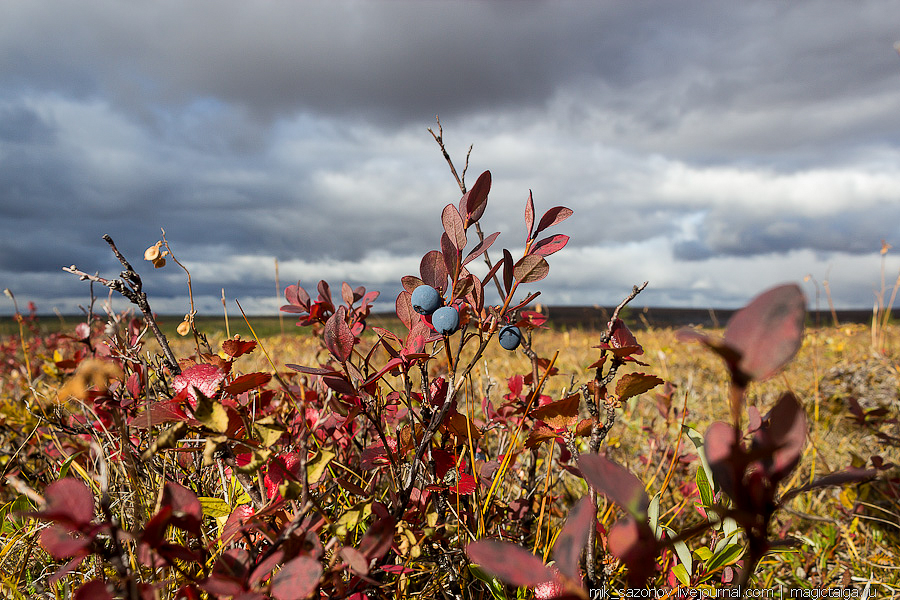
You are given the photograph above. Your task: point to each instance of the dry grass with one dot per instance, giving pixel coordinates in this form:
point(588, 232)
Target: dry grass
point(854, 532)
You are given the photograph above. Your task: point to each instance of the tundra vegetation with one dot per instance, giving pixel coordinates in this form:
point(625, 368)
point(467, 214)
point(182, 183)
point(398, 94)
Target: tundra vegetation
point(466, 451)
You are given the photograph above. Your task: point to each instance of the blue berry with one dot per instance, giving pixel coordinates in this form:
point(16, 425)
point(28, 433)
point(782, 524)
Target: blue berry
point(510, 337)
point(425, 300)
point(445, 320)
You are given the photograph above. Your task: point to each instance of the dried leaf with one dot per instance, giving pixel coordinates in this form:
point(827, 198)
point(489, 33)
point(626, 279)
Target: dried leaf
point(236, 347)
point(561, 414)
point(211, 414)
point(635, 384)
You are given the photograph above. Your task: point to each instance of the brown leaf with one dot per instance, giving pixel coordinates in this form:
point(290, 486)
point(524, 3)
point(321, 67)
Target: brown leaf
point(561, 414)
point(635, 384)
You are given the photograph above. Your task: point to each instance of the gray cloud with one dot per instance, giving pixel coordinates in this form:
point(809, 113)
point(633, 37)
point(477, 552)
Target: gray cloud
point(686, 137)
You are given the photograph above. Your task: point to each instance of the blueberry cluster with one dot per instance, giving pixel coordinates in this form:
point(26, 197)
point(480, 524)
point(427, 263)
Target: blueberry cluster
point(427, 301)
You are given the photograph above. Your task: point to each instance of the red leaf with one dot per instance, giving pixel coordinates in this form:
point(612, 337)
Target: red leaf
point(529, 215)
point(186, 509)
point(297, 296)
point(433, 270)
point(480, 248)
point(635, 384)
point(355, 560)
point(247, 382)
point(397, 569)
point(297, 579)
point(784, 434)
point(530, 318)
point(450, 254)
point(475, 200)
point(531, 268)
point(574, 535)
point(203, 377)
point(508, 265)
point(69, 501)
point(236, 347)
point(347, 293)
point(548, 246)
point(60, 544)
point(768, 332)
point(410, 282)
point(555, 215)
point(719, 445)
point(634, 544)
point(453, 225)
point(405, 312)
point(337, 335)
point(325, 294)
point(95, 589)
point(510, 563)
point(378, 538)
point(539, 435)
point(615, 482)
point(236, 520)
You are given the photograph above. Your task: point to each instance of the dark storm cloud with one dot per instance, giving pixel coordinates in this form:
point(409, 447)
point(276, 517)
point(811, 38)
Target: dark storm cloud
point(679, 131)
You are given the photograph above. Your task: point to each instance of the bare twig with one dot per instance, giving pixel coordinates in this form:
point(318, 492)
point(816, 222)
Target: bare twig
point(130, 286)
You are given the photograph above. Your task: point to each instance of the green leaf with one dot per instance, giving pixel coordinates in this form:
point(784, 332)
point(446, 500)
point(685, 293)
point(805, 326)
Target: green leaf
point(696, 437)
point(214, 507)
point(212, 414)
point(681, 574)
point(316, 467)
point(653, 514)
point(64, 468)
point(704, 553)
point(494, 585)
point(682, 551)
point(707, 496)
point(352, 518)
point(729, 526)
point(267, 431)
point(728, 555)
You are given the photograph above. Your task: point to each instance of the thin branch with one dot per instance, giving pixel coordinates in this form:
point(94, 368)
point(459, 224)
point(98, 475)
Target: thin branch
point(634, 292)
point(438, 137)
point(130, 286)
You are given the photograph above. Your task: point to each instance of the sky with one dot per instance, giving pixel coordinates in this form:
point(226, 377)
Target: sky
point(713, 149)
